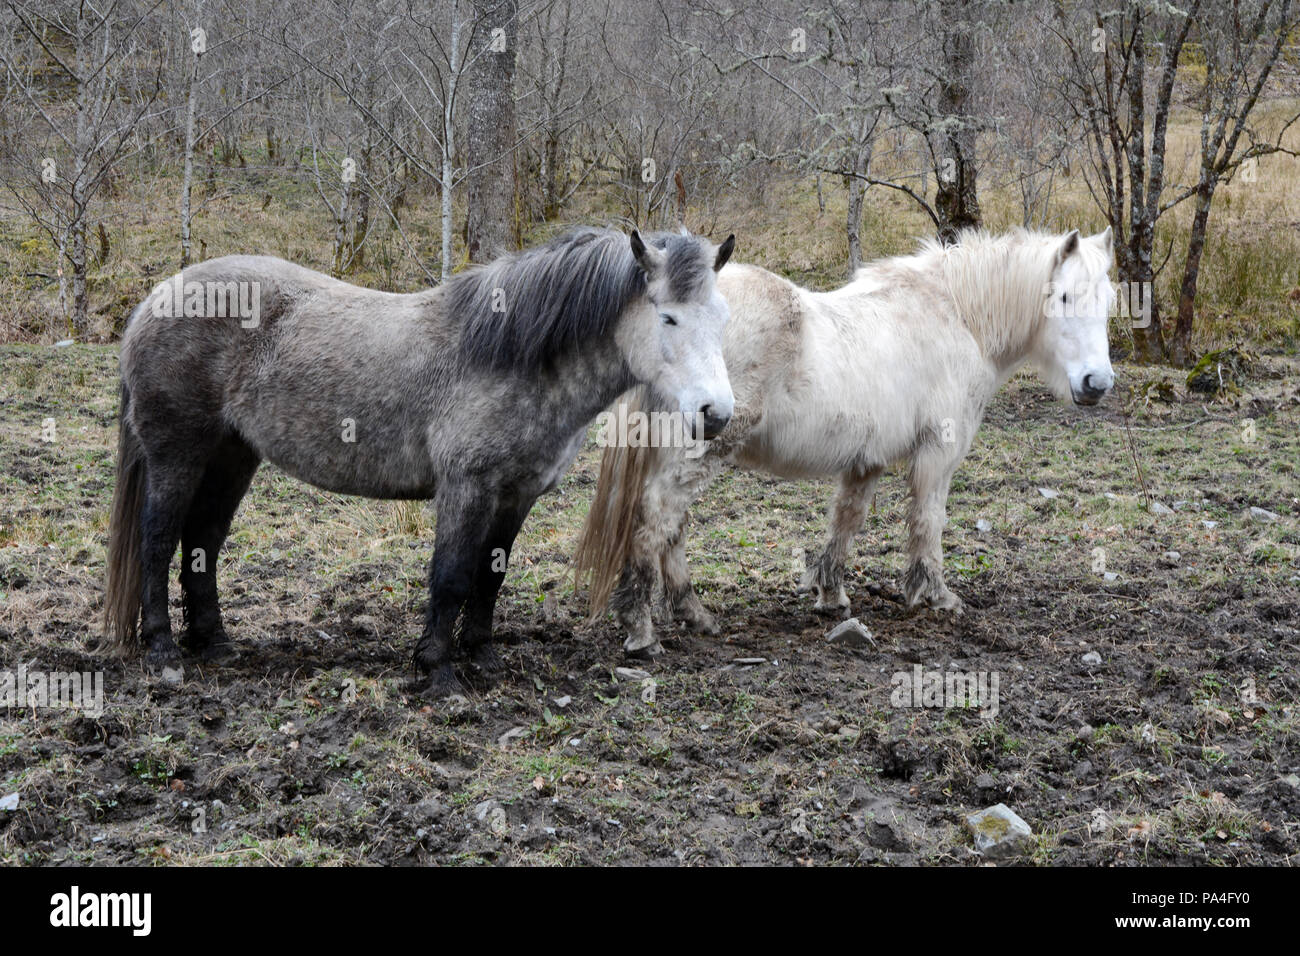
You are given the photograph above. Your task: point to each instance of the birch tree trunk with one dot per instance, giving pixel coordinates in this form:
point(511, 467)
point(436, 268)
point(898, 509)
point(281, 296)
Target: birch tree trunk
point(448, 142)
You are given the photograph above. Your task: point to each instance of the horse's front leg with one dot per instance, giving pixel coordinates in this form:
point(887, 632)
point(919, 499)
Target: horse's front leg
point(681, 485)
point(463, 524)
point(930, 475)
point(825, 576)
point(476, 629)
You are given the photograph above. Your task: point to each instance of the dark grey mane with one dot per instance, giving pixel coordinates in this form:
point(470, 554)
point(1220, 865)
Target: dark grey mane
point(554, 297)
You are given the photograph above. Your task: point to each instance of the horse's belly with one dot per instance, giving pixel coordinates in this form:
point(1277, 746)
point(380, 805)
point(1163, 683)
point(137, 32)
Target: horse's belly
point(800, 448)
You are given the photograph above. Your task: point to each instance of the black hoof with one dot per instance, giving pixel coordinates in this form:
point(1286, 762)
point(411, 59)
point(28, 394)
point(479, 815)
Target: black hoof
point(439, 683)
point(162, 652)
point(217, 651)
point(487, 659)
point(208, 645)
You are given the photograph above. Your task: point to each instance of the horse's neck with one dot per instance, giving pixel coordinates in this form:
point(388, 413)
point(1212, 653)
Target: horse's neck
point(582, 383)
point(1001, 308)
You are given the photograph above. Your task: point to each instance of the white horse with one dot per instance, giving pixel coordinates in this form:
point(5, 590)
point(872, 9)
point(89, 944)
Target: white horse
point(899, 364)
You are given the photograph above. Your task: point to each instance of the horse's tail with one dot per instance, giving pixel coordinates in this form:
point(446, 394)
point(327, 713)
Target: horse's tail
point(122, 590)
point(606, 538)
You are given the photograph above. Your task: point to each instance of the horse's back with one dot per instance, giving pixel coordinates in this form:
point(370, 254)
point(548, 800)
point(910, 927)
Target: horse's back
point(292, 362)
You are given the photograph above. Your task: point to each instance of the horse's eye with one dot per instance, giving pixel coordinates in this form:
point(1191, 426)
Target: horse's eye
point(668, 319)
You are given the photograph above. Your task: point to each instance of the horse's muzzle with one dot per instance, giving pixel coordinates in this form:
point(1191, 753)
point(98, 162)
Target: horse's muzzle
point(710, 423)
point(1090, 393)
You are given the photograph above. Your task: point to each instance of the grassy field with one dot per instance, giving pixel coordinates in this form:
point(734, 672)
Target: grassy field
point(1177, 744)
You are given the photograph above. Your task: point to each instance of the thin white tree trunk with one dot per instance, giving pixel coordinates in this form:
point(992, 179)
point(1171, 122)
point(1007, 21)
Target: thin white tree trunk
point(448, 144)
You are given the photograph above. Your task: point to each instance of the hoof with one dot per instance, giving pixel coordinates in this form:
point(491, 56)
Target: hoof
point(440, 683)
point(218, 651)
point(640, 637)
point(162, 653)
point(486, 659)
point(700, 621)
point(210, 647)
point(644, 651)
point(705, 623)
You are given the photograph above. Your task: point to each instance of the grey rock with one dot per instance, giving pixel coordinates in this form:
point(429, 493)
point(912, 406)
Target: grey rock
point(1049, 493)
point(1262, 515)
point(851, 633)
point(1160, 509)
point(985, 781)
point(1170, 559)
point(9, 801)
point(173, 675)
point(1091, 659)
point(1209, 525)
point(1085, 733)
point(999, 832)
point(631, 673)
point(984, 525)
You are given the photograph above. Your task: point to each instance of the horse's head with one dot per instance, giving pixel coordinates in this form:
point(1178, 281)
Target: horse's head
point(673, 341)
point(1073, 352)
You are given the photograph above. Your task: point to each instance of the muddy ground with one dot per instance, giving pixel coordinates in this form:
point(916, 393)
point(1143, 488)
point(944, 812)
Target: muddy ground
point(1175, 744)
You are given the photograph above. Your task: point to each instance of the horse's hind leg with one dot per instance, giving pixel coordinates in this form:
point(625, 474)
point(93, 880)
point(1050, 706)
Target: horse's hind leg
point(849, 510)
point(223, 486)
point(169, 488)
point(930, 475)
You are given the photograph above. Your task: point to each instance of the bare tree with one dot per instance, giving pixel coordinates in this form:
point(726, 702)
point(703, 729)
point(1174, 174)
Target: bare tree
point(68, 161)
point(1124, 126)
point(1242, 45)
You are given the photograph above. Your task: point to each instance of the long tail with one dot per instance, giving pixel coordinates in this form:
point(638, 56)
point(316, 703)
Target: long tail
point(122, 591)
point(606, 538)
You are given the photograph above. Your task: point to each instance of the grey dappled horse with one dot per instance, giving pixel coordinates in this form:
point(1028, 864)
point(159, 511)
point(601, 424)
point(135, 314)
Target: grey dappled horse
point(476, 394)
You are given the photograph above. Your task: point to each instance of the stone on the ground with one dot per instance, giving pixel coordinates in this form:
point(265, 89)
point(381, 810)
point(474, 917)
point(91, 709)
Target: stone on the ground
point(1049, 493)
point(1209, 525)
point(851, 633)
point(1092, 659)
point(1160, 509)
point(9, 802)
point(999, 832)
point(1262, 515)
point(631, 673)
point(1170, 559)
point(984, 525)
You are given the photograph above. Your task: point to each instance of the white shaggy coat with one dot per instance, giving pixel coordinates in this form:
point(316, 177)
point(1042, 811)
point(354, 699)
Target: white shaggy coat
point(898, 365)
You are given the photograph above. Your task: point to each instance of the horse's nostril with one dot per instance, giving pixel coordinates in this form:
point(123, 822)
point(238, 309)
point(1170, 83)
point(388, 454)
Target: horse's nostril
point(1090, 386)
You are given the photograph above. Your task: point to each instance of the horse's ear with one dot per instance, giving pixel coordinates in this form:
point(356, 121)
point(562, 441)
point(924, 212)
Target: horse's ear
point(650, 259)
point(1107, 242)
point(724, 252)
point(1068, 247)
